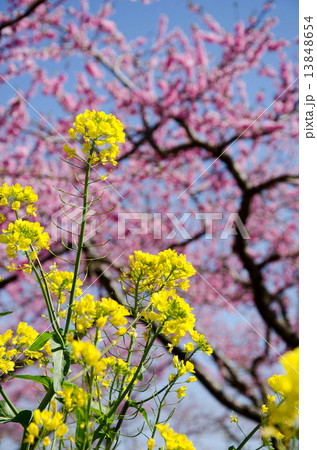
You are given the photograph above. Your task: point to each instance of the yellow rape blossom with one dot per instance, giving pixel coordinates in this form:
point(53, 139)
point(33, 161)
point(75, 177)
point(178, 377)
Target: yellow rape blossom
point(173, 313)
point(181, 392)
point(167, 270)
point(46, 441)
point(99, 134)
point(15, 206)
point(150, 444)
point(87, 312)
point(11, 346)
point(73, 397)
point(25, 335)
point(174, 441)
point(282, 417)
point(43, 423)
point(191, 380)
point(60, 283)
point(89, 353)
point(6, 365)
point(183, 367)
point(189, 347)
point(15, 196)
point(21, 235)
point(201, 342)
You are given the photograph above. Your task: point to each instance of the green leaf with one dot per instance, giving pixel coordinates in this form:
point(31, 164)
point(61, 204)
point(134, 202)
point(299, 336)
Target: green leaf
point(40, 341)
point(24, 417)
point(61, 363)
point(45, 381)
point(6, 414)
point(6, 313)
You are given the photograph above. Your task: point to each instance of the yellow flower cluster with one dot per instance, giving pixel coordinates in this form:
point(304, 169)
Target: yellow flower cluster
point(101, 134)
point(60, 283)
point(181, 392)
point(6, 363)
point(282, 418)
point(26, 268)
point(183, 368)
point(22, 235)
point(201, 342)
point(88, 312)
point(73, 396)
point(89, 353)
point(167, 270)
point(42, 424)
point(173, 313)
point(11, 346)
point(14, 196)
point(174, 441)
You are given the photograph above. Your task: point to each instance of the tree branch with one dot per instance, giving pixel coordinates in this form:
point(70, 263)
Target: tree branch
point(17, 19)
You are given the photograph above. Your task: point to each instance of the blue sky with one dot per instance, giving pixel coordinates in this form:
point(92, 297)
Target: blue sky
point(134, 18)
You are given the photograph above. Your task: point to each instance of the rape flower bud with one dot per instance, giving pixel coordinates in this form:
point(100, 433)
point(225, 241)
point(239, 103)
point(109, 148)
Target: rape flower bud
point(30, 210)
point(46, 441)
point(191, 379)
point(189, 347)
point(150, 444)
point(233, 418)
point(121, 331)
point(181, 392)
point(16, 206)
point(271, 398)
point(171, 377)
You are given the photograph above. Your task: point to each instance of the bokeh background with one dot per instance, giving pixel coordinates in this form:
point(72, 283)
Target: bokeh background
point(208, 94)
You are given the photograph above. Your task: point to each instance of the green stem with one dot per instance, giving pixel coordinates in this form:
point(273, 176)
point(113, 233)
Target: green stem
point(124, 393)
point(161, 404)
point(136, 373)
point(126, 405)
point(8, 401)
point(24, 445)
point(47, 299)
point(90, 396)
point(45, 291)
point(249, 436)
point(80, 247)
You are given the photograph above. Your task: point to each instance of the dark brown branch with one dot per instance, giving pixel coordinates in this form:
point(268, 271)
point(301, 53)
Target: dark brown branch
point(187, 241)
point(28, 12)
point(290, 179)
